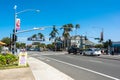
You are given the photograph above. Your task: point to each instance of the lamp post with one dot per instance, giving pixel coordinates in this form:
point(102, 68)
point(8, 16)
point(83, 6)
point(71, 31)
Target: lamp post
point(15, 17)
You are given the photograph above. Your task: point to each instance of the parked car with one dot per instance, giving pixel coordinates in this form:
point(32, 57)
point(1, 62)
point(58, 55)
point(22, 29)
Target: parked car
point(73, 50)
point(92, 51)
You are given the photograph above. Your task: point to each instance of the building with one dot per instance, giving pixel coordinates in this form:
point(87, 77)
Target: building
point(80, 41)
point(116, 47)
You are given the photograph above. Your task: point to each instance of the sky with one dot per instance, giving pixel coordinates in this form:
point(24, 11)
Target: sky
point(92, 15)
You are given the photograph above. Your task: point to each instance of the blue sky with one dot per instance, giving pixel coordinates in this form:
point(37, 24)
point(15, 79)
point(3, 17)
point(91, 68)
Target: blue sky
point(92, 15)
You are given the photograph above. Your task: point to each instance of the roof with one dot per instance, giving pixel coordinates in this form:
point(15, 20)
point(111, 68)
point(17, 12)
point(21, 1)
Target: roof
point(116, 43)
point(78, 36)
point(87, 42)
point(2, 43)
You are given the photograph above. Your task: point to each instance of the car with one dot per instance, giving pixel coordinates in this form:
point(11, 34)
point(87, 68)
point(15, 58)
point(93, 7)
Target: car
point(92, 52)
point(73, 50)
point(31, 49)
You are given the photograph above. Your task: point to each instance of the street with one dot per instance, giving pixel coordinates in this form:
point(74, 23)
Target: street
point(81, 67)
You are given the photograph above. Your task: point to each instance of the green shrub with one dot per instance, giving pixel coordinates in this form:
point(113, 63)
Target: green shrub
point(7, 59)
point(2, 59)
point(10, 58)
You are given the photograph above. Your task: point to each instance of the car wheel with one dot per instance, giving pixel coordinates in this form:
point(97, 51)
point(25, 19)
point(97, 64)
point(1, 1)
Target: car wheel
point(84, 54)
point(98, 54)
point(80, 53)
point(68, 52)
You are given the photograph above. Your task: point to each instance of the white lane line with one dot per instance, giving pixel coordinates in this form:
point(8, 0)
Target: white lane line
point(70, 56)
point(79, 67)
point(95, 61)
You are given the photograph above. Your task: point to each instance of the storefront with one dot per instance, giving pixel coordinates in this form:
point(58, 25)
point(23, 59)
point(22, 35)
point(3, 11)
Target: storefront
point(116, 46)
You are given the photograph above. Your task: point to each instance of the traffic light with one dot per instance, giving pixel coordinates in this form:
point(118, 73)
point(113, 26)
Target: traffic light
point(14, 37)
point(110, 42)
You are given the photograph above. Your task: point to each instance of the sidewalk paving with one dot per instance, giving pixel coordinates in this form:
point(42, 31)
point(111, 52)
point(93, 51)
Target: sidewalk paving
point(43, 71)
point(16, 74)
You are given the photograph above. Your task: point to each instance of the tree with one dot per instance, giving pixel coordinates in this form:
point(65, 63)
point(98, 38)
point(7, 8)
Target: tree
point(108, 43)
point(36, 43)
point(42, 45)
point(41, 36)
point(34, 36)
point(99, 46)
point(77, 26)
point(20, 45)
point(50, 46)
point(105, 44)
point(53, 33)
point(66, 33)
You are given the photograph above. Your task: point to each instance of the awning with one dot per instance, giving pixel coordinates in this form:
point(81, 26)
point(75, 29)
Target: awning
point(2, 43)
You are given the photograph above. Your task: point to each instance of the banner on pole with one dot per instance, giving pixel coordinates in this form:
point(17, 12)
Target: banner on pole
point(17, 24)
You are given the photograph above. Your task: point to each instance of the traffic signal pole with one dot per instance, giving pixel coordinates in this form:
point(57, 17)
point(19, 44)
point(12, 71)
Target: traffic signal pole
point(14, 31)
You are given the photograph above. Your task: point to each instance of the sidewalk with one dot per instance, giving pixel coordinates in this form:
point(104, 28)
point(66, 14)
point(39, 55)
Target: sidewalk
point(43, 71)
point(16, 74)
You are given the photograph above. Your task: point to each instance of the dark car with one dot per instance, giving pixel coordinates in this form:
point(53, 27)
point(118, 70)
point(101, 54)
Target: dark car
point(73, 50)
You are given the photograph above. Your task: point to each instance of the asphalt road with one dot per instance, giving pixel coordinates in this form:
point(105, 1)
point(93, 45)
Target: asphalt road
point(81, 67)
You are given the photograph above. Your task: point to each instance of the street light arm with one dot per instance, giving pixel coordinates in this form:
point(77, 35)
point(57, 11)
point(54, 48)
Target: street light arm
point(28, 10)
point(29, 30)
point(38, 28)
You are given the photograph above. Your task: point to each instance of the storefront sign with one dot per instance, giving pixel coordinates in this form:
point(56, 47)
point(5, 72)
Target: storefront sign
point(23, 59)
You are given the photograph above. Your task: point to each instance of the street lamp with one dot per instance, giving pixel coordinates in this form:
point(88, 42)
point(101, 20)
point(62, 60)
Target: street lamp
point(15, 17)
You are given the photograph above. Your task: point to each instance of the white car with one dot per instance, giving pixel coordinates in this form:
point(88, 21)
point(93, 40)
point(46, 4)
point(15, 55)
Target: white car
point(92, 51)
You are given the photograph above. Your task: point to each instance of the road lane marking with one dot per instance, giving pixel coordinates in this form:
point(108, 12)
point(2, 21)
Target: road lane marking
point(95, 61)
point(89, 70)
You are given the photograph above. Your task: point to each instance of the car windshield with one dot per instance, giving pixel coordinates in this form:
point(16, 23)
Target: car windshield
point(97, 49)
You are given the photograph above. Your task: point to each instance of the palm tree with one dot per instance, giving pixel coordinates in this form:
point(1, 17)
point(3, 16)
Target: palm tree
point(53, 33)
point(34, 36)
point(76, 27)
point(41, 36)
point(66, 33)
